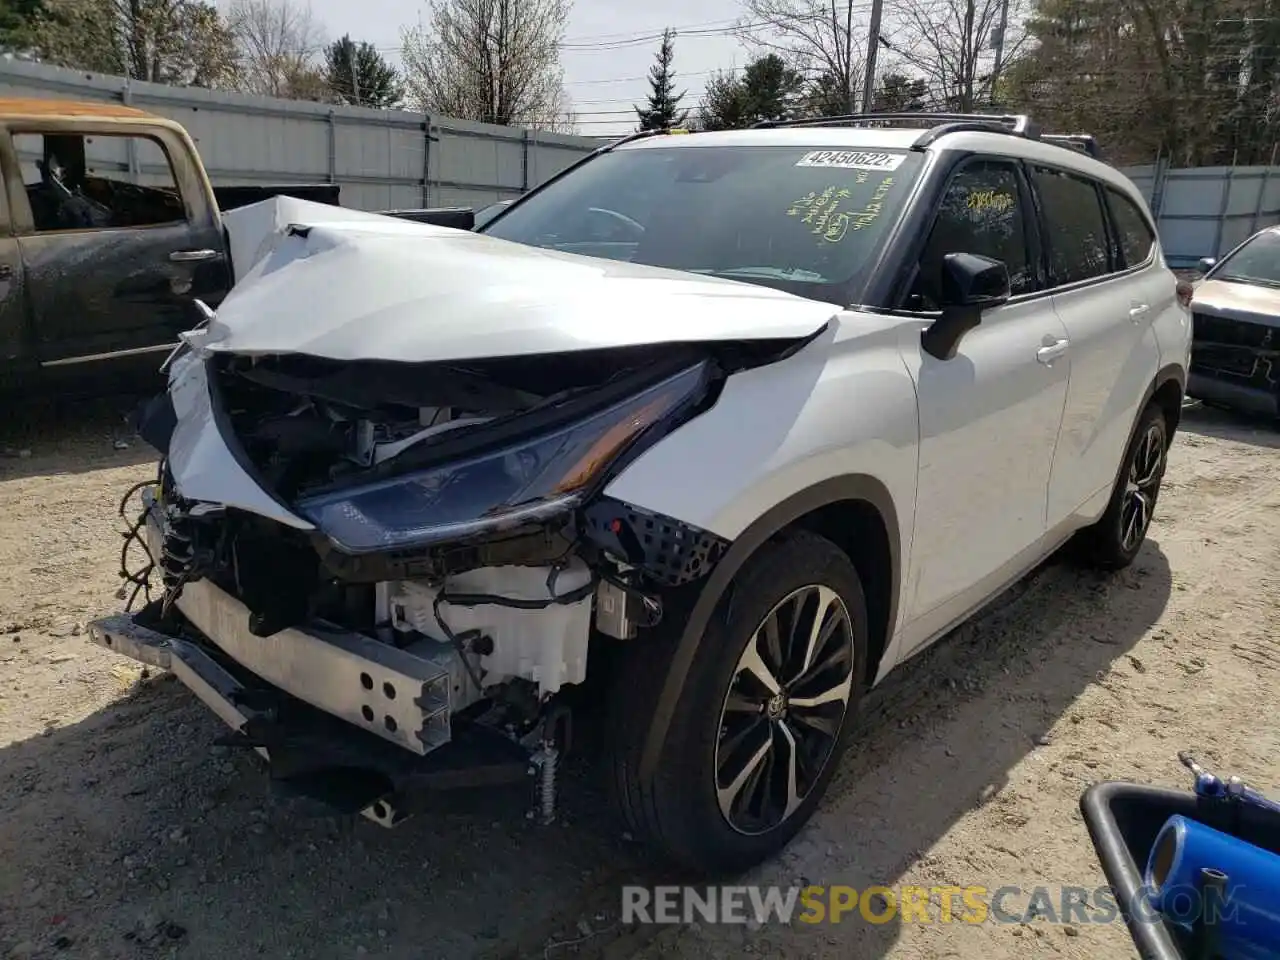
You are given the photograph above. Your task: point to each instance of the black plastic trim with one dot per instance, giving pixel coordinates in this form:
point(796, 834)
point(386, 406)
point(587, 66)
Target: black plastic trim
point(669, 551)
point(932, 136)
point(833, 490)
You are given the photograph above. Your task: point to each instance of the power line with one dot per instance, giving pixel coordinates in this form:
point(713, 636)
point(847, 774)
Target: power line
point(692, 73)
point(645, 39)
point(705, 28)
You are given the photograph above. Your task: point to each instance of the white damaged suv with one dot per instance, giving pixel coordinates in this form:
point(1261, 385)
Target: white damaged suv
point(732, 423)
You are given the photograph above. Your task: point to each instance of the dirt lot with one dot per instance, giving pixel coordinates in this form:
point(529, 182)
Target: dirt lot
point(125, 834)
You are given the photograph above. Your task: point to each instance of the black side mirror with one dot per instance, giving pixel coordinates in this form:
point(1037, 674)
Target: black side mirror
point(970, 285)
point(1205, 265)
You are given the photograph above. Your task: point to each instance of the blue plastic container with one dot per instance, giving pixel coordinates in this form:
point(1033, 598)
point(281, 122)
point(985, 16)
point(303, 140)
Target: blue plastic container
point(1247, 909)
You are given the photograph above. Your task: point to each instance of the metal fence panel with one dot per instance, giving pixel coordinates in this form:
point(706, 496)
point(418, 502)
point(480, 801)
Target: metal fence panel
point(382, 159)
point(1206, 211)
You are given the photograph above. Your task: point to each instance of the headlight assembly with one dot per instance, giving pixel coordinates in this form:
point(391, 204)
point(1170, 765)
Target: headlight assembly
point(523, 482)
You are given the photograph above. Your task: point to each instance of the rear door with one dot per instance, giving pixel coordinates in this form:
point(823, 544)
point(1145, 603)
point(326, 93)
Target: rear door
point(1107, 307)
point(116, 236)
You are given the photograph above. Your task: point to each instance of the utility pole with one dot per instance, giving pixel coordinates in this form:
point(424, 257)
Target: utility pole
point(998, 43)
point(873, 45)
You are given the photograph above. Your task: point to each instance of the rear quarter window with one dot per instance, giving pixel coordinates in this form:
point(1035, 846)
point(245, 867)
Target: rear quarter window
point(1134, 232)
point(1075, 229)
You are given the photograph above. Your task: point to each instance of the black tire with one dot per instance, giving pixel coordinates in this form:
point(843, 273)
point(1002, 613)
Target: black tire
point(679, 810)
point(1114, 541)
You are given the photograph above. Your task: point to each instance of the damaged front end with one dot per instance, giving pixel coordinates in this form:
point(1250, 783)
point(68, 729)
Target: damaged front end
point(387, 576)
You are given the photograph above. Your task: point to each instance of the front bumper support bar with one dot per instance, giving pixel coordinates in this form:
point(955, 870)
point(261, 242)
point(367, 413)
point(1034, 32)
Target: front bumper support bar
point(474, 756)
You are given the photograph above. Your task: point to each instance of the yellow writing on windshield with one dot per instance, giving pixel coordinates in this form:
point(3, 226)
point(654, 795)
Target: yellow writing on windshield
point(854, 220)
point(828, 215)
point(982, 201)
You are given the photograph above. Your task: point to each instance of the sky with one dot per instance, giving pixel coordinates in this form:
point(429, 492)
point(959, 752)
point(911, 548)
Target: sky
point(609, 47)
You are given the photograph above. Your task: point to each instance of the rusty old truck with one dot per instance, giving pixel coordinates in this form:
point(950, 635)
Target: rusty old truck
point(110, 233)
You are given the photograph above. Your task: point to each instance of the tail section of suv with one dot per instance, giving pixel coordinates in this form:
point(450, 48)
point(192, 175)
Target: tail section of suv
point(714, 430)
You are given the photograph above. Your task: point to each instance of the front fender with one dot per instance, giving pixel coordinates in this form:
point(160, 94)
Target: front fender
point(836, 421)
point(834, 408)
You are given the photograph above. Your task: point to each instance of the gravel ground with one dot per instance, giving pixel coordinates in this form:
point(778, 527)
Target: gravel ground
point(126, 834)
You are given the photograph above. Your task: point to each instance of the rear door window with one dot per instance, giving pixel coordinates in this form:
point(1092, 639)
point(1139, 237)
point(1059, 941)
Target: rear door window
point(1075, 232)
point(1132, 228)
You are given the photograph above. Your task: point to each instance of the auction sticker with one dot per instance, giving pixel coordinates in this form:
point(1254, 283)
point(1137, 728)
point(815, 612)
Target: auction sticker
point(852, 160)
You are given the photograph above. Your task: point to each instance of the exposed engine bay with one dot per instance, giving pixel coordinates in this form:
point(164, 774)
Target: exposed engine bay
point(455, 564)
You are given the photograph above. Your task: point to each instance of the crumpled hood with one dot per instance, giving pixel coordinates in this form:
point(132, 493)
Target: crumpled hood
point(1245, 302)
point(369, 287)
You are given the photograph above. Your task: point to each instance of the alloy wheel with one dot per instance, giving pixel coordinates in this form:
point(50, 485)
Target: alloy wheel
point(1142, 486)
point(784, 709)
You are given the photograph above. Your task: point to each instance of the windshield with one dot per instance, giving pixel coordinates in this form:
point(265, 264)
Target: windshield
point(1258, 261)
point(801, 219)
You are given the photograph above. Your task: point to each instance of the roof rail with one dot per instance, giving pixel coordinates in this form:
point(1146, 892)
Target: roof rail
point(1083, 142)
point(1020, 123)
point(940, 124)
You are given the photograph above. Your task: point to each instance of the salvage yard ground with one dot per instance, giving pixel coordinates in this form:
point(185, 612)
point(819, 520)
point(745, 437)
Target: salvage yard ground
point(124, 834)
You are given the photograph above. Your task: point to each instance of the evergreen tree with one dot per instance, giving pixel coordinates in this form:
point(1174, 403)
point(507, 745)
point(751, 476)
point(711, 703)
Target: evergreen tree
point(663, 111)
point(899, 93)
point(767, 90)
point(359, 75)
point(19, 21)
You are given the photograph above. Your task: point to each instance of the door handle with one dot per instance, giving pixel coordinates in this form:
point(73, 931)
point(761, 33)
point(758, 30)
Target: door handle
point(193, 256)
point(1138, 311)
point(6, 271)
point(1052, 351)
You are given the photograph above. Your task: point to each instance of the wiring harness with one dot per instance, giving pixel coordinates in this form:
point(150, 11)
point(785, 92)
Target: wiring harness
point(136, 573)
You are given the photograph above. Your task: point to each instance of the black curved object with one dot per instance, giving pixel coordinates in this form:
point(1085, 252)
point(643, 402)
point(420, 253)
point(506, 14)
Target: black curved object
point(1123, 820)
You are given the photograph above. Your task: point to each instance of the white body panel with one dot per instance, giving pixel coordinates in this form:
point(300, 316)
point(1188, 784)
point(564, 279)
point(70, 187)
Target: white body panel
point(380, 288)
point(1114, 356)
point(252, 229)
point(842, 405)
point(202, 465)
point(989, 421)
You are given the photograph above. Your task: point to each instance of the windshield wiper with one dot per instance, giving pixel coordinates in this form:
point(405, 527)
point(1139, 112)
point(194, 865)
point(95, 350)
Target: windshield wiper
point(768, 273)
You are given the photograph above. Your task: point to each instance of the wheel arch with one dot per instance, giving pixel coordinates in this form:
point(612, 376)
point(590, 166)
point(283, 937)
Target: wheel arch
point(858, 514)
point(1167, 390)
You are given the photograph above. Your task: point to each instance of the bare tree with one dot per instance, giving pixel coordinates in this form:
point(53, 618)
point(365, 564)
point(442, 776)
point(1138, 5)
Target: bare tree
point(492, 61)
point(950, 44)
point(820, 37)
point(279, 44)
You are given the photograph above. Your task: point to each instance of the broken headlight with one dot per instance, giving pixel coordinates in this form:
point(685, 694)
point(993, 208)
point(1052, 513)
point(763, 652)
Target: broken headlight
point(523, 482)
